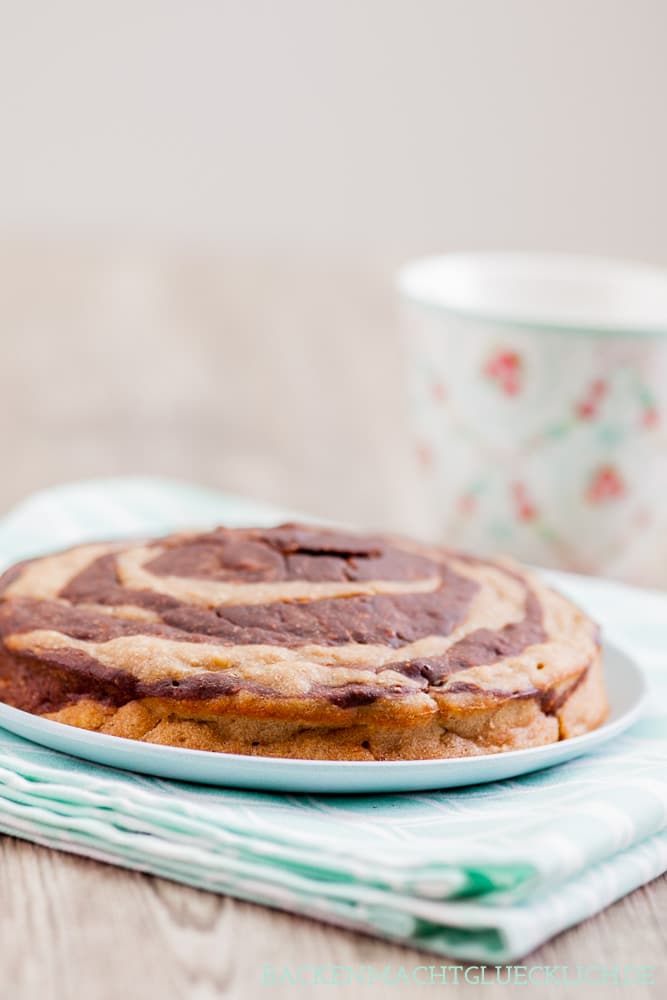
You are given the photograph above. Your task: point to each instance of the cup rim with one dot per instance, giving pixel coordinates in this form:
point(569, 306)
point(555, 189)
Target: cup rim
point(454, 284)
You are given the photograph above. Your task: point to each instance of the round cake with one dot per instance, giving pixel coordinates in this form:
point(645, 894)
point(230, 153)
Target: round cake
point(298, 641)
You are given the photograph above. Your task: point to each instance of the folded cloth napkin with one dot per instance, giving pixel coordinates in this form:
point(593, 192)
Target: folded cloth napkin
point(484, 873)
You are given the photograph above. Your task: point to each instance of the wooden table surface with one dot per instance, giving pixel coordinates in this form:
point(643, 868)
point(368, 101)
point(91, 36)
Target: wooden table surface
point(280, 378)
point(72, 928)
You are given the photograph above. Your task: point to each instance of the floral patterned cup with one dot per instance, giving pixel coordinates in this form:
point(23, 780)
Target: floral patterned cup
point(539, 391)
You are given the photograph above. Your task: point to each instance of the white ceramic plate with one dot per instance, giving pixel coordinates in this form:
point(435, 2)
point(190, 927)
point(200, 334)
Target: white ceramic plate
point(625, 684)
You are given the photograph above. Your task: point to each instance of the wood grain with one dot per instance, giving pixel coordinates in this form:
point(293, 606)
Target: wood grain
point(72, 928)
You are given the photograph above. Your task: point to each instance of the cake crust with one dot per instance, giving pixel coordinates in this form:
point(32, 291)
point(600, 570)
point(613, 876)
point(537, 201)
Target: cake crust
point(298, 641)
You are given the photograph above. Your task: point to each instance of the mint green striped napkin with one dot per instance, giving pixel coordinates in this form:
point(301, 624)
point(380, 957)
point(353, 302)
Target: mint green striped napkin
point(485, 873)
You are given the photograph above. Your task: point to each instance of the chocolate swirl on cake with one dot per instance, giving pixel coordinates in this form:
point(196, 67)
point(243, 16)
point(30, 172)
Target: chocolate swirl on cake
point(280, 623)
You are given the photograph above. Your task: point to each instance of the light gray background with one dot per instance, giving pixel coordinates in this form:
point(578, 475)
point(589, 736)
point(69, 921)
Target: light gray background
point(202, 206)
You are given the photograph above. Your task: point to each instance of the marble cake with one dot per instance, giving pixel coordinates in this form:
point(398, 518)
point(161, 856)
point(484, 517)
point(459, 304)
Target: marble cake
point(298, 641)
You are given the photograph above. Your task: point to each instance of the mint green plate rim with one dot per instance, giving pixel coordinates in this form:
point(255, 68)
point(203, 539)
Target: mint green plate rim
point(625, 684)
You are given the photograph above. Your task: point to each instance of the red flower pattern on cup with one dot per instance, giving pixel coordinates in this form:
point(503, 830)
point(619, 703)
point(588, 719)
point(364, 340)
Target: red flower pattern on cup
point(504, 367)
point(424, 453)
point(439, 392)
point(606, 484)
point(467, 504)
point(650, 416)
point(523, 505)
point(587, 408)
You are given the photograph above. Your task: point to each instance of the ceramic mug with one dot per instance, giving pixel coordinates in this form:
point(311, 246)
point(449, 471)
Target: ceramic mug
point(539, 393)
